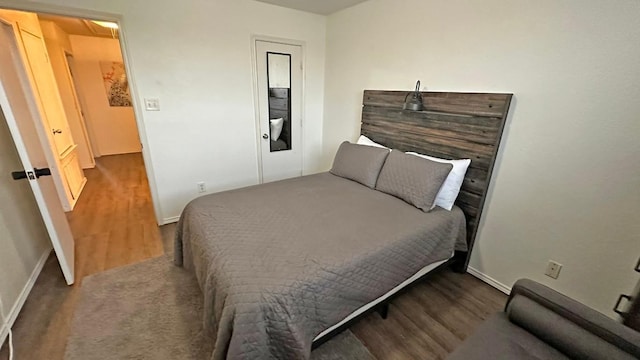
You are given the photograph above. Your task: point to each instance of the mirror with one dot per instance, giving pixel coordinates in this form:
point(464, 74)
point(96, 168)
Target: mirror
point(279, 78)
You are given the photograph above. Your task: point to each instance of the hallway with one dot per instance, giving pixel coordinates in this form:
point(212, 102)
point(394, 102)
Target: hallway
point(113, 225)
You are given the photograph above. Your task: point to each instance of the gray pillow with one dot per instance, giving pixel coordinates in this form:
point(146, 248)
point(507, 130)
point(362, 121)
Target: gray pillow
point(359, 163)
point(412, 179)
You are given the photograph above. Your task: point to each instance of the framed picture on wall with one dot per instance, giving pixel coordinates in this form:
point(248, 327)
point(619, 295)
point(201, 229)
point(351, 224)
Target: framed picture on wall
point(115, 83)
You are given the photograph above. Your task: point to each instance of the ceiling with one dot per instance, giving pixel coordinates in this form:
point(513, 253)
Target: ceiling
point(322, 7)
point(75, 26)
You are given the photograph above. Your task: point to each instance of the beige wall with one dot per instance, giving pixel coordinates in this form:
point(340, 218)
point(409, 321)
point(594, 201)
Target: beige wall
point(567, 185)
point(112, 129)
point(58, 46)
point(24, 243)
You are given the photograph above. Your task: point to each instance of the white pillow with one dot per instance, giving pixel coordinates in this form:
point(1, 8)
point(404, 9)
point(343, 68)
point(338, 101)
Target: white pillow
point(363, 140)
point(276, 128)
point(449, 191)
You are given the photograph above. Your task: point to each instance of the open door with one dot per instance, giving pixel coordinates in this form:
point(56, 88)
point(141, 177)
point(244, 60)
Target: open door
point(29, 135)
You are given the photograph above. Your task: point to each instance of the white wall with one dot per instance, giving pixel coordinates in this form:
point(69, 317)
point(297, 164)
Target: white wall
point(24, 243)
point(279, 68)
point(112, 129)
point(195, 56)
point(567, 186)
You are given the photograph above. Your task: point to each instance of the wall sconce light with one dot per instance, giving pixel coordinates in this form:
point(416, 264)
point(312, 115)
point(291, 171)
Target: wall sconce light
point(414, 102)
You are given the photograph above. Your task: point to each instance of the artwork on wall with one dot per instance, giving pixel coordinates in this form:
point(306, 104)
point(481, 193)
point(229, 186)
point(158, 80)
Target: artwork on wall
point(115, 83)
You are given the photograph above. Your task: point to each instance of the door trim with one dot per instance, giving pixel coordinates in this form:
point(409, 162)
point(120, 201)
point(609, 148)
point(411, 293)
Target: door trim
point(256, 99)
point(138, 108)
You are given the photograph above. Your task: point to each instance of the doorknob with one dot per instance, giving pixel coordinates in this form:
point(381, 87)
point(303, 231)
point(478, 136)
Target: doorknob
point(42, 172)
point(56, 131)
point(32, 175)
point(265, 136)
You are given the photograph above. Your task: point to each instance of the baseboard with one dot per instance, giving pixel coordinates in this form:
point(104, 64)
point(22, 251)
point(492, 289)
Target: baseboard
point(489, 280)
point(22, 298)
point(170, 220)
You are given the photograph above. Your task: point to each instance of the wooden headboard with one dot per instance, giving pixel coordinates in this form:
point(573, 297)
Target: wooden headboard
point(451, 126)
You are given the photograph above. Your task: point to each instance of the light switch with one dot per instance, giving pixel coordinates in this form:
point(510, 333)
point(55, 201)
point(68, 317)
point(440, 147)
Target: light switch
point(152, 104)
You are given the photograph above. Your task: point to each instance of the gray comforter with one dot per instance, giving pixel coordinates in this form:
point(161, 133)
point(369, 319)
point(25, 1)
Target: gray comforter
point(279, 263)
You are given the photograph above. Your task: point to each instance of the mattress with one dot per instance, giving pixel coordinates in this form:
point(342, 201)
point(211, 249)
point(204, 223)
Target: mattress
point(281, 262)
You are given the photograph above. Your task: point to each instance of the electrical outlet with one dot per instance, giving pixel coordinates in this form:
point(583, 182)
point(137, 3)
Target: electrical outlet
point(202, 187)
point(553, 269)
point(151, 104)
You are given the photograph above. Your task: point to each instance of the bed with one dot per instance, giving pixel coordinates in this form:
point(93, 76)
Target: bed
point(283, 266)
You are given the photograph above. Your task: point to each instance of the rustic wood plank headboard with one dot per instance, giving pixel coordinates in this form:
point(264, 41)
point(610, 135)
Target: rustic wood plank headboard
point(451, 126)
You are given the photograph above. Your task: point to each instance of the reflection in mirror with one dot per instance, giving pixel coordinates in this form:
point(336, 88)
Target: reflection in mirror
point(279, 77)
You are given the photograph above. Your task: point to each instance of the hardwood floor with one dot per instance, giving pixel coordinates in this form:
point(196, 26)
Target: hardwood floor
point(114, 225)
point(431, 319)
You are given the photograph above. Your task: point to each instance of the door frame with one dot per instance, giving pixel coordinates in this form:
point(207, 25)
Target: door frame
point(256, 99)
point(138, 108)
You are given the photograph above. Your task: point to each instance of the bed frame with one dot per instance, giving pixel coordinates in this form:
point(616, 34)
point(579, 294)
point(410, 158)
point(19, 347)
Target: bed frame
point(451, 126)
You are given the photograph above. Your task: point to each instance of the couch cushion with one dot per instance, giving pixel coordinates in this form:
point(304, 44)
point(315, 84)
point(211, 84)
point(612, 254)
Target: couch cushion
point(498, 338)
point(560, 332)
point(602, 336)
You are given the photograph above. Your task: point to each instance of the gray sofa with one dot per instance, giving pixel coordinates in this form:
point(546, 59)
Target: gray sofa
point(540, 323)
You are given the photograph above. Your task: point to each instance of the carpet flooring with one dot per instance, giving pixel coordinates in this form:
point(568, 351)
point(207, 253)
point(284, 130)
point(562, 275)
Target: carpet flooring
point(153, 310)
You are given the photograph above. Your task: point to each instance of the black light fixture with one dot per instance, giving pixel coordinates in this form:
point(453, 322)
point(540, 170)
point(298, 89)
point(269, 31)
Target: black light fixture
point(415, 101)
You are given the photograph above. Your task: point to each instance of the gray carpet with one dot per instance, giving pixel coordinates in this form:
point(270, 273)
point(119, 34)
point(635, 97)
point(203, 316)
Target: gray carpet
point(153, 310)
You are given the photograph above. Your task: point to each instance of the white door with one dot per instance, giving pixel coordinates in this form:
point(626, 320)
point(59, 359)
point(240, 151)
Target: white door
point(279, 81)
point(47, 88)
point(30, 135)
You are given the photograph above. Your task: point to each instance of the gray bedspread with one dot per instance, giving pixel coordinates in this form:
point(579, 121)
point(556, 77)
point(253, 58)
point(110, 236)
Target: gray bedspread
point(279, 263)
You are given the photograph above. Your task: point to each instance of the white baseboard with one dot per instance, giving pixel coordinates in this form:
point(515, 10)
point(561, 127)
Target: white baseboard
point(22, 298)
point(489, 280)
point(170, 220)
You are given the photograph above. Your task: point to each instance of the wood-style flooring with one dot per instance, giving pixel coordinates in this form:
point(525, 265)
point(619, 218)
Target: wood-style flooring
point(431, 319)
point(114, 225)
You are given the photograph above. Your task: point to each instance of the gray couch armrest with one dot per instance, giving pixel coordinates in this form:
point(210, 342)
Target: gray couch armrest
point(568, 325)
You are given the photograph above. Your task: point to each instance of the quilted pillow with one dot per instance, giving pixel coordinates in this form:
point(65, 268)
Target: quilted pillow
point(359, 163)
point(412, 179)
point(451, 188)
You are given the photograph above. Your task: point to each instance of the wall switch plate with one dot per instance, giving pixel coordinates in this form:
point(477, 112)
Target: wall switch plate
point(202, 187)
point(152, 104)
point(553, 269)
